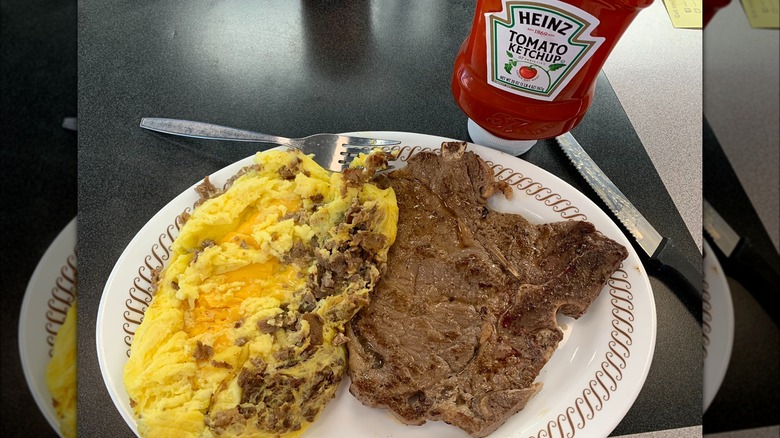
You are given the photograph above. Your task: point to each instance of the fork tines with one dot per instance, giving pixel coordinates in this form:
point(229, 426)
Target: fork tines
point(351, 141)
point(350, 152)
point(354, 151)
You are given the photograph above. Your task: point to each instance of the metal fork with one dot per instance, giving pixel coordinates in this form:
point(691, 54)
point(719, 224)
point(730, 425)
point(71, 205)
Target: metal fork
point(331, 151)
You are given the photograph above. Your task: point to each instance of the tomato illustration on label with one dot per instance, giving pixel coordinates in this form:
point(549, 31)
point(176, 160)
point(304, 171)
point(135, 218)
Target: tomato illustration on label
point(527, 72)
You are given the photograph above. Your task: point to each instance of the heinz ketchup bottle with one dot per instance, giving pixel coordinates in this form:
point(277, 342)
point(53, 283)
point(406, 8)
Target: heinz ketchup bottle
point(528, 69)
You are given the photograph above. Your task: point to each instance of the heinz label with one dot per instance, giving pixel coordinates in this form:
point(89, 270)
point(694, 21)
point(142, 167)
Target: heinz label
point(534, 48)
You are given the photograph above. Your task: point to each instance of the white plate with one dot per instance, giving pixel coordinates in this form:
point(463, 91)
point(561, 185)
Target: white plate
point(717, 325)
point(589, 384)
point(49, 294)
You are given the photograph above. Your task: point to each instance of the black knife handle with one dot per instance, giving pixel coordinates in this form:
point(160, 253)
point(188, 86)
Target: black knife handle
point(755, 266)
point(753, 271)
point(687, 276)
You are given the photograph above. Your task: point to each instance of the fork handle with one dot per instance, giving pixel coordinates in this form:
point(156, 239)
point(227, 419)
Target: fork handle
point(208, 131)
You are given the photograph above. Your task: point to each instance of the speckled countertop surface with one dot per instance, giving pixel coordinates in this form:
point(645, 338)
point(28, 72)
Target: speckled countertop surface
point(184, 64)
point(656, 72)
point(692, 432)
point(284, 70)
point(737, 74)
point(742, 103)
point(742, 107)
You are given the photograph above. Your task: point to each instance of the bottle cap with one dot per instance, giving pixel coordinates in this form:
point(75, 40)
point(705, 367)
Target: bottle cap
point(481, 136)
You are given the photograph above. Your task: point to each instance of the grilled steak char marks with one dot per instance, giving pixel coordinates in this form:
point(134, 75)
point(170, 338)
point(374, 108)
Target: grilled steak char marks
point(464, 318)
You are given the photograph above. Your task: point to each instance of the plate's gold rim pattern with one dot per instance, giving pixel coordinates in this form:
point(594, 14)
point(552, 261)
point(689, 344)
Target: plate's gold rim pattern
point(717, 325)
point(406, 152)
point(706, 316)
point(142, 291)
point(63, 294)
point(583, 409)
point(558, 203)
point(606, 380)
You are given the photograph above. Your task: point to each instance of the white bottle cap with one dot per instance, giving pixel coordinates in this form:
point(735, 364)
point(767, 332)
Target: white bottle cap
point(481, 136)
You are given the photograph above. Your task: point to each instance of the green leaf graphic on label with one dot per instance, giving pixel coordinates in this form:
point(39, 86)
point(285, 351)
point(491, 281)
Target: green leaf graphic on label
point(510, 65)
point(509, 54)
point(554, 67)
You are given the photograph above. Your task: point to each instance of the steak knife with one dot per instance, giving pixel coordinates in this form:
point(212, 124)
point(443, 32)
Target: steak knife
point(741, 261)
point(662, 253)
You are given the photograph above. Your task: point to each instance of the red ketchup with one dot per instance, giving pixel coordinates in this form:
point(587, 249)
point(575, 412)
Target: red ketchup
point(528, 69)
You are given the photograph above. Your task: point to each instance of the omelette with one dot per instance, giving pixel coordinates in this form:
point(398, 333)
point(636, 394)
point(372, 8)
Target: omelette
point(61, 374)
point(245, 333)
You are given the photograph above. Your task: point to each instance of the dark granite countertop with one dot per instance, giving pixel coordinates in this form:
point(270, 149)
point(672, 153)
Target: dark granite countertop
point(38, 169)
point(294, 69)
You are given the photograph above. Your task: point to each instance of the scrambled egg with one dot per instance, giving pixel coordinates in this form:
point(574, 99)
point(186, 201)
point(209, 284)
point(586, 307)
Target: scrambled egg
point(61, 374)
point(244, 335)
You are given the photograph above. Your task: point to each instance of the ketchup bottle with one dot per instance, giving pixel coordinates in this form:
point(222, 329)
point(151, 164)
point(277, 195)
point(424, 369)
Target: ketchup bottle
point(711, 7)
point(528, 69)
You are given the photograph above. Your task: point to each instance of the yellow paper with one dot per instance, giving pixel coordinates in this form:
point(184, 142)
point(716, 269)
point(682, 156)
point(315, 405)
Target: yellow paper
point(762, 14)
point(685, 14)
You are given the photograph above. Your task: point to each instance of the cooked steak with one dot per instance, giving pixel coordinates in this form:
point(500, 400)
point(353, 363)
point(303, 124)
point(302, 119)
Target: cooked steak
point(464, 318)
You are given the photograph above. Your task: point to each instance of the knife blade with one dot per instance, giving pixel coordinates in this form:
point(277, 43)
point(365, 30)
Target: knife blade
point(662, 253)
point(741, 261)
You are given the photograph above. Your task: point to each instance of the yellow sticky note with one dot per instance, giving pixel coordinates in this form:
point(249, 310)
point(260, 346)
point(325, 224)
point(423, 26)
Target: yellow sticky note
point(685, 14)
point(762, 14)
